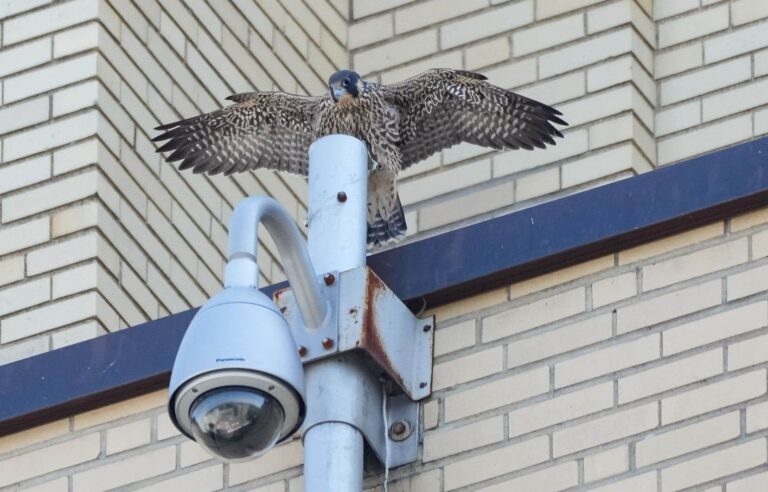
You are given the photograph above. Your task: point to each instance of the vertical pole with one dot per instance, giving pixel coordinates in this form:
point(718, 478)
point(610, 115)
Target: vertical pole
point(338, 188)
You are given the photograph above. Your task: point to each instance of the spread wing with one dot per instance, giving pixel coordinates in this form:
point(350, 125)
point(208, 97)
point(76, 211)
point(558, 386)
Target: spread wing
point(261, 130)
point(443, 107)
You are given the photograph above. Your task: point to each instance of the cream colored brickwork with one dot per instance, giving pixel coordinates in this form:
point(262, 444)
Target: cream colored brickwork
point(565, 401)
point(86, 206)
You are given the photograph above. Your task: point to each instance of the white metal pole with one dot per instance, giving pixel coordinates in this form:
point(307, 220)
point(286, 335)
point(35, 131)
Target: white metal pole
point(338, 188)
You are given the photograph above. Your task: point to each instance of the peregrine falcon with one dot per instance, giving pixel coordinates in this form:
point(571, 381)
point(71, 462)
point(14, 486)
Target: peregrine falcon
point(400, 123)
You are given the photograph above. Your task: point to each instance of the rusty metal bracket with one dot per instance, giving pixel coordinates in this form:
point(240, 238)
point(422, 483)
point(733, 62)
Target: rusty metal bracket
point(367, 316)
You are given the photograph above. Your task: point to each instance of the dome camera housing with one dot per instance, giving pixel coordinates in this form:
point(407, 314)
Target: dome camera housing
point(237, 385)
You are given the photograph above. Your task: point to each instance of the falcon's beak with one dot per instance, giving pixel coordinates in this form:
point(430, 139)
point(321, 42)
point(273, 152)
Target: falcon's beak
point(338, 93)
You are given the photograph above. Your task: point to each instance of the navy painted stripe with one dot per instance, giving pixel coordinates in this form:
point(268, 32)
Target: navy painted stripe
point(439, 269)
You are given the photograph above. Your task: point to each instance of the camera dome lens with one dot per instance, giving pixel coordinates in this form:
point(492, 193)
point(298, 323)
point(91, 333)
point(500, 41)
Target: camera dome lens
point(236, 423)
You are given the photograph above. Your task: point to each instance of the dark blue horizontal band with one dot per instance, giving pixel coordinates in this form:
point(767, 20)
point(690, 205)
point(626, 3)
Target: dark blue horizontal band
point(436, 270)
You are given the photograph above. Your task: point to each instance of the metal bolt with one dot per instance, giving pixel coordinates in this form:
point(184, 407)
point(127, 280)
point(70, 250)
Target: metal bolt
point(302, 351)
point(427, 328)
point(400, 430)
point(422, 385)
point(341, 196)
point(327, 343)
point(329, 279)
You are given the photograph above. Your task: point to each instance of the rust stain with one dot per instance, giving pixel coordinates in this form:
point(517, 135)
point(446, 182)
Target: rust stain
point(370, 336)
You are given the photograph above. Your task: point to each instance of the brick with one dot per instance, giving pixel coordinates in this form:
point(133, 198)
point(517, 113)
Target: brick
point(538, 184)
point(554, 478)
point(695, 264)
point(678, 60)
point(678, 118)
point(445, 181)
point(49, 77)
point(430, 410)
point(684, 440)
point(736, 42)
point(396, 52)
point(671, 375)
point(548, 8)
point(481, 201)
point(26, 56)
point(606, 463)
point(639, 483)
point(486, 24)
point(712, 396)
point(745, 11)
point(510, 75)
point(75, 156)
point(671, 243)
point(497, 393)
point(63, 253)
point(165, 427)
point(547, 34)
point(280, 458)
point(370, 31)
point(760, 245)
point(20, 236)
point(128, 436)
point(668, 306)
point(487, 53)
point(556, 90)
point(467, 368)
point(49, 196)
point(583, 53)
point(693, 26)
point(192, 454)
point(747, 353)
point(24, 349)
point(58, 485)
point(706, 80)
point(560, 409)
point(48, 20)
point(537, 313)
point(210, 478)
point(75, 219)
point(607, 360)
point(138, 467)
point(760, 60)
point(11, 269)
point(76, 40)
point(446, 442)
point(750, 219)
point(559, 341)
point(13, 7)
point(754, 483)
point(24, 114)
point(25, 295)
point(119, 410)
point(735, 100)
point(75, 98)
point(20, 440)
point(714, 465)
point(50, 458)
point(716, 327)
point(506, 163)
point(605, 429)
point(25, 173)
point(757, 417)
point(431, 12)
point(469, 304)
point(46, 137)
point(497, 462)
point(747, 283)
point(598, 106)
point(611, 73)
point(455, 337)
point(77, 333)
point(602, 164)
point(613, 289)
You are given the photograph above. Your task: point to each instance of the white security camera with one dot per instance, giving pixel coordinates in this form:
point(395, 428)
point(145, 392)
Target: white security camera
point(237, 386)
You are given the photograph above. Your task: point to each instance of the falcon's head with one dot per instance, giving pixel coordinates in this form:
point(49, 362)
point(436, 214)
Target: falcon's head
point(345, 86)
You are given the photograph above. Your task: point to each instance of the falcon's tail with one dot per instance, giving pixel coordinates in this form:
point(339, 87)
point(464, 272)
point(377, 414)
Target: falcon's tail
point(386, 220)
point(384, 229)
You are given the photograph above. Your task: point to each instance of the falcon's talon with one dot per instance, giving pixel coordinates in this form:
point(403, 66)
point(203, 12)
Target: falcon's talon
point(405, 122)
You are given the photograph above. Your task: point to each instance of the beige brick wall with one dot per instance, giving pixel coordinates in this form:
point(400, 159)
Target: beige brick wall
point(576, 399)
point(83, 195)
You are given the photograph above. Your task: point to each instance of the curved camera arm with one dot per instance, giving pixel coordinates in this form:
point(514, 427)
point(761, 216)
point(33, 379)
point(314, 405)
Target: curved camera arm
point(242, 269)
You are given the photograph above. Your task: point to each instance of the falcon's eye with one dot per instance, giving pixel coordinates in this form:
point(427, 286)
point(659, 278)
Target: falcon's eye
point(345, 83)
